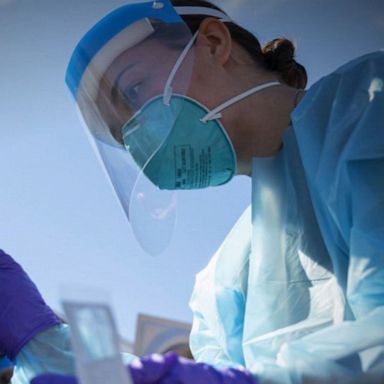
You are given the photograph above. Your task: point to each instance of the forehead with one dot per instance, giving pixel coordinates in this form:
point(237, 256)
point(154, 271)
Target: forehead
point(149, 56)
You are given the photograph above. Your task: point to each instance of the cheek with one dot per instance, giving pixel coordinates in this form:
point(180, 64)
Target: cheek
point(211, 97)
point(203, 84)
point(209, 87)
point(151, 88)
point(208, 97)
point(230, 129)
point(204, 93)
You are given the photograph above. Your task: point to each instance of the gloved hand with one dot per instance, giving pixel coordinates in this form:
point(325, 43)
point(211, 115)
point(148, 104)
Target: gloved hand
point(23, 312)
point(168, 369)
point(172, 369)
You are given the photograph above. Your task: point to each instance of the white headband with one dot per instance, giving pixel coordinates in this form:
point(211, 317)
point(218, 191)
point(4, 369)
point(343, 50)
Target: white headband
point(203, 11)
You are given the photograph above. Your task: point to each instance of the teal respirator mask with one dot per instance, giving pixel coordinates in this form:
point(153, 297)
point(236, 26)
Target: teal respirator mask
point(130, 75)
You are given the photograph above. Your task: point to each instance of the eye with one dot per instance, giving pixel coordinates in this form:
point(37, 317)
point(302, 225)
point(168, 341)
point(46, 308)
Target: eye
point(132, 94)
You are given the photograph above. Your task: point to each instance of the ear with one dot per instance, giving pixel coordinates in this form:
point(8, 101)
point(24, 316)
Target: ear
point(214, 37)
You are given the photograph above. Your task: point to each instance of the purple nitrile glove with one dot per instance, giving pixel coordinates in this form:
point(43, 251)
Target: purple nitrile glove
point(147, 370)
point(189, 372)
point(52, 378)
point(23, 312)
point(168, 369)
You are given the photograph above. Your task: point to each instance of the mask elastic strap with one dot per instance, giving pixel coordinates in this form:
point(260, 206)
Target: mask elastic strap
point(168, 91)
point(215, 113)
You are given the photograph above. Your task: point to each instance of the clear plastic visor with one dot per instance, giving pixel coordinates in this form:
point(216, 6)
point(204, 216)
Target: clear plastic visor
point(112, 91)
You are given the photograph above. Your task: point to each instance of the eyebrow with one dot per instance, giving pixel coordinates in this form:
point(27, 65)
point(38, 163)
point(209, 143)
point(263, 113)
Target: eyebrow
point(115, 85)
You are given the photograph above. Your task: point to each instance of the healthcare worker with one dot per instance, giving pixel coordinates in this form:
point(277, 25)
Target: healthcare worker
point(295, 294)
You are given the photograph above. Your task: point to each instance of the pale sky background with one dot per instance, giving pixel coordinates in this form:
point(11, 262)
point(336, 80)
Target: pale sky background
point(58, 215)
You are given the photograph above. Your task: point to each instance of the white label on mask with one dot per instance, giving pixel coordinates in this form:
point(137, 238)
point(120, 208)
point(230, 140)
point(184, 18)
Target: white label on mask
point(192, 171)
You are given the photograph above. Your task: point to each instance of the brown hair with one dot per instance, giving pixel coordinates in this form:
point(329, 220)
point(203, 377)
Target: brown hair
point(276, 56)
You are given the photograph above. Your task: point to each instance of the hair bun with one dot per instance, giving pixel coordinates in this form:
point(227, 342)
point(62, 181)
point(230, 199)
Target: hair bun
point(279, 56)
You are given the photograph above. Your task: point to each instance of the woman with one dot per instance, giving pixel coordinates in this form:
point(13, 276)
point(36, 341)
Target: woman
point(298, 295)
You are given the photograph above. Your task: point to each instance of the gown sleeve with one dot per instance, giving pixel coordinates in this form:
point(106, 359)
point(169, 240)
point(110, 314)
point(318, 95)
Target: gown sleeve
point(49, 351)
point(218, 300)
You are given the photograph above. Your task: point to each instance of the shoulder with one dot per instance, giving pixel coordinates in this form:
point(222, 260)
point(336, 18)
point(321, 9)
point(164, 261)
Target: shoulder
point(342, 106)
point(339, 129)
point(369, 59)
point(356, 76)
point(363, 67)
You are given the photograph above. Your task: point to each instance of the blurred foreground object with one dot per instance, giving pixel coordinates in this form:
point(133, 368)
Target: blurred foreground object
point(95, 342)
point(159, 335)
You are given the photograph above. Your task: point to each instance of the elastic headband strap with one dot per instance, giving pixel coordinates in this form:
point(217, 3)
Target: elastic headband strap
point(204, 11)
point(168, 91)
point(215, 113)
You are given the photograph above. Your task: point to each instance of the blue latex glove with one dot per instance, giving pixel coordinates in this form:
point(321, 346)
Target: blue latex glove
point(23, 312)
point(168, 369)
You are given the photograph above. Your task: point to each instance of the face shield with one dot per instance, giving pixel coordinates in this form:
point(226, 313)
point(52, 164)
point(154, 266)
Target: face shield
point(123, 74)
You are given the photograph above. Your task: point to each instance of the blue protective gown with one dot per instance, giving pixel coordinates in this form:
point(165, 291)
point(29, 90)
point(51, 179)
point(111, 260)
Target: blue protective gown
point(296, 291)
